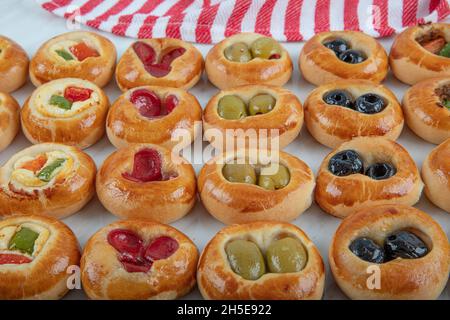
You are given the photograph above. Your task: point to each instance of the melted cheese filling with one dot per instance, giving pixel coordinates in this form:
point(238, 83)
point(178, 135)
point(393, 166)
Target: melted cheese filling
point(28, 180)
point(8, 232)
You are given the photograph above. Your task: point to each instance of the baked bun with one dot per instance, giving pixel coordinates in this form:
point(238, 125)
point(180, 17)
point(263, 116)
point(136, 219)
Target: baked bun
point(164, 62)
point(156, 115)
point(436, 175)
point(415, 53)
point(47, 179)
point(341, 55)
point(37, 255)
point(9, 119)
point(77, 54)
point(390, 252)
point(248, 58)
point(250, 185)
point(147, 181)
point(364, 172)
point(69, 111)
point(263, 260)
point(138, 259)
point(339, 111)
point(13, 65)
point(253, 116)
point(427, 109)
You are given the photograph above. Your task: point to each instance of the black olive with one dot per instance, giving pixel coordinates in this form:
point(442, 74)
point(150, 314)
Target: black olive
point(404, 244)
point(380, 171)
point(339, 97)
point(337, 45)
point(352, 56)
point(370, 103)
point(367, 250)
point(345, 163)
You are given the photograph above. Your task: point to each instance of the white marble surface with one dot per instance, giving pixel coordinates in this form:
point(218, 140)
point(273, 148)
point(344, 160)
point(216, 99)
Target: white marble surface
point(29, 25)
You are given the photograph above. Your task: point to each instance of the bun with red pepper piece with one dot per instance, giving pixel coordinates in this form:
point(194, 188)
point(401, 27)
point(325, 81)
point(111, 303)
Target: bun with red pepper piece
point(146, 181)
point(138, 260)
point(37, 257)
point(9, 119)
point(47, 179)
point(77, 54)
point(13, 65)
point(162, 62)
point(69, 111)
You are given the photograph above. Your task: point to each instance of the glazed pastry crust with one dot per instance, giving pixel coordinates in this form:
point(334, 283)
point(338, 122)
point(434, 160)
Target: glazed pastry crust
point(81, 130)
point(423, 112)
point(162, 201)
point(46, 66)
point(332, 125)
point(225, 74)
point(125, 125)
point(45, 277)
point(436, 175)
point(240, 202)
point(9, 119)
point(319, 65)
point(13, 65)
point(286, 117)
point(336, 195)
point(65, 197)
point(217, 281)
point(402, 279)
point(410, 62)
point(104, 277)
point(186, 69)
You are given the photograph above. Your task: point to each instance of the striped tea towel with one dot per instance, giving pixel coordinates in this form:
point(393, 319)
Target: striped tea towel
point(209, 21)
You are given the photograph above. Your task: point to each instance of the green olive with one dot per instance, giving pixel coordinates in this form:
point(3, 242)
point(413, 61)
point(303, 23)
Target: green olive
point(245, 259)
point(239, 172)
point(271, 180)
point(238, 52)
point(265, 48)
point(232, 107)
point(286, 255)
point(261, 103)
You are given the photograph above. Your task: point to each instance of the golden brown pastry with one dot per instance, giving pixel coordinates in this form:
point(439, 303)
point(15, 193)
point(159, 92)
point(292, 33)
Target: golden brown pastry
point(161, 115)
point(436, 175)
point(253, 116)
point(248, 58)
point(339, 111)
point(77, 54)
point(427, 109)
point(9, 119)
point(390, 252)
point(147, 181)
point(48, 179)
point(421, 52)
point(13, 65)
point(36, 254)
point(137, 260)
point(251, 185)
point(341, 55)
point(70, 111)
point(263, 260)
point(164, 62)
point(364, 172)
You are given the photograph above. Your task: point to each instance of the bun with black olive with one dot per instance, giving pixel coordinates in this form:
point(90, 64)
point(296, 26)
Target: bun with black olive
point(339, 111)
point(390, 252)
point(13, 65)
point(9, 119)
point(364, 172)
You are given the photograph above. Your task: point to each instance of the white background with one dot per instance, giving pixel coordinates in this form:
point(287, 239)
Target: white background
point(30, 26)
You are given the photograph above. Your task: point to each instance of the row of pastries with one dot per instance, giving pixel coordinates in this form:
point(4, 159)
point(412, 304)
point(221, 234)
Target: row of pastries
point(349, 111)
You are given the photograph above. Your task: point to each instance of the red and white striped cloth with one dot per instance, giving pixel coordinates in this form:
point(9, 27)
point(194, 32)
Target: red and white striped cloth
point(209, 21)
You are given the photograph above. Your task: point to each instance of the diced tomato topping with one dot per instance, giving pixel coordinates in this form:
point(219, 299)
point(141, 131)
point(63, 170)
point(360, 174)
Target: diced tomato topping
point(158, 70)
point(36, 164)
point(144, 52)
point(125, 241)
point(161, 248)
point(171, 102)
point(146, 167)
point(172, 55)
point(74, 94)
point(8, 258)
point(83, 51)
point(147, 102)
